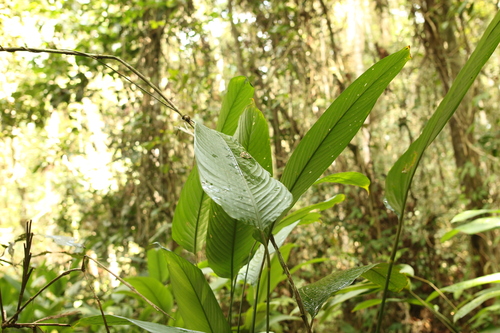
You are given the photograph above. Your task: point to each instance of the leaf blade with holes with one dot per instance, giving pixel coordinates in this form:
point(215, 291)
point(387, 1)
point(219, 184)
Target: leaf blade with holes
point(244, 189)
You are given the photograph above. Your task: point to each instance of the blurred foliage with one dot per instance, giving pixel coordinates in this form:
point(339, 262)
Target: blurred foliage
point(85, 154)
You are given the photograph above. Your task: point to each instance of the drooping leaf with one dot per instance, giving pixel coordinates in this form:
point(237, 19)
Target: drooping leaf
point(229, 242)
point(474, 227)
point(236, 181)
point(399, 178)
point(196, 300)
point(347, 178)
point(337, 126)
point(157, 267)
point(303, 212)
point(112, 320)
point(314, 295)
point(153, 290)
point(378, 275)
point(469, 306)
point(189, 225)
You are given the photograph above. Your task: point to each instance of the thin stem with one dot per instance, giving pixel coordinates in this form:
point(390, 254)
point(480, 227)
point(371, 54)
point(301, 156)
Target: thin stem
point(268, 308)
point(389, 270)
point(438, 315)
point(98, 57)
point(296, 293)
point(98, 303)
point(437, 290)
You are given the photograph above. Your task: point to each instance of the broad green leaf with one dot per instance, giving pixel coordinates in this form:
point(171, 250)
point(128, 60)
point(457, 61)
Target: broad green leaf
point(469, 306)
point(316, 294)
point(238, 96)
point(236, 181)
point(474, 227)
point(399, 179)
point(230, 243)
point(461, 286)
point(378, 275)
point(468, 214)
point(189, 225)
point(157, 267)
point(118, 320)
point(337, 126)
point(303, 212)
point(347, 178)
point(153, 290)
point(196, 300)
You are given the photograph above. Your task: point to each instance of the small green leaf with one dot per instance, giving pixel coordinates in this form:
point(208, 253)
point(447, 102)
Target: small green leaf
point(240, 185)
point(196, 300)
point(153, 290)
point(303, 212)
point(118, 320)
point(347, 178)
point(315, 294)
point(378, 275)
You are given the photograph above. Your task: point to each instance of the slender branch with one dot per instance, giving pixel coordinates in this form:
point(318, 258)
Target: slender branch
point(296, 293)
point(99, 57)
point(130, 287)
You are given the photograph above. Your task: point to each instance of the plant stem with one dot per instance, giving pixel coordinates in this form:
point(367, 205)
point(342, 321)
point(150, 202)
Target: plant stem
point(389, 270)
point(439, 316)
point(167, 102)
point(296, 293)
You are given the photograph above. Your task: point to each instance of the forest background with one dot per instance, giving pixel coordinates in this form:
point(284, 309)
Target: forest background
point(87, 155)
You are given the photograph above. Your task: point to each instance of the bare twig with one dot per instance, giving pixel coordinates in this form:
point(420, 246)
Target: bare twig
point(99, 57)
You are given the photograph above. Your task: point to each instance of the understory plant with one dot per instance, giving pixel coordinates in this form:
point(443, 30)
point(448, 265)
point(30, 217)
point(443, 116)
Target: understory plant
point(233, 211)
